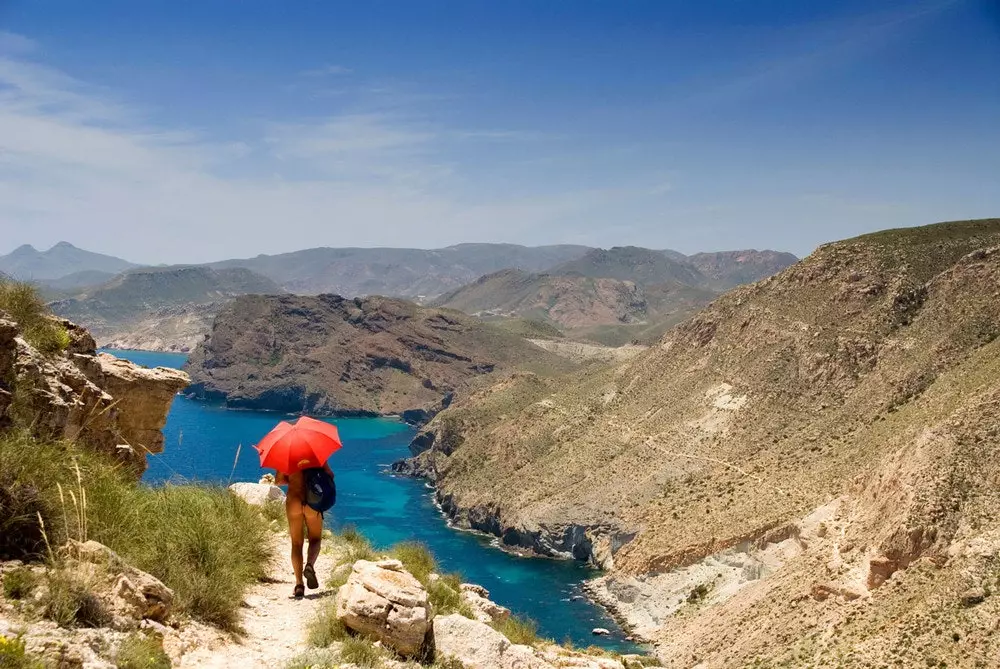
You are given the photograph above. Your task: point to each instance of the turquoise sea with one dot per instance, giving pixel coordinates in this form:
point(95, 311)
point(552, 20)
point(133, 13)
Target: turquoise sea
point(202, 441)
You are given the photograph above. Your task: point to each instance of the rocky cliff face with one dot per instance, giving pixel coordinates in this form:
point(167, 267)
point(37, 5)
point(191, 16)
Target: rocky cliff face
point(332, 356)
point(96, 399)
point(814, 452)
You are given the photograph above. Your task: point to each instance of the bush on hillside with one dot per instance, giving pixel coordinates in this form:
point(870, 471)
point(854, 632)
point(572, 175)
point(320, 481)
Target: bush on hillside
point(201, 541)
point(69, 601)
point(416, 559)
point(22, 302)
point(141, 652)
point(518, 630)
point(14, 656)
point(19, 583)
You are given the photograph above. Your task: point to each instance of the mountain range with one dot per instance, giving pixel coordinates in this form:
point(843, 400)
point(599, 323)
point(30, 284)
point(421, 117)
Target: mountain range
point(607, 296)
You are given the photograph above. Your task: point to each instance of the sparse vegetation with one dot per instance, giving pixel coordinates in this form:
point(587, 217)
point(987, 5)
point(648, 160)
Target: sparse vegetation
point(416, 559)
point(326, 628)
point(204, 543)
point(69, 601)
point(141, 652)
point(25, 305)
point(14, 656)
point(19, 583)
point(362, 652)
point(518, 630)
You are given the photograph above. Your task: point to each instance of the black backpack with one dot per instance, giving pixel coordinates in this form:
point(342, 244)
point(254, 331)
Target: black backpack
point(321, 490)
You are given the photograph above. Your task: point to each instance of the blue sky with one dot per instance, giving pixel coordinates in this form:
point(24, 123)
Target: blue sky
point(186, 132)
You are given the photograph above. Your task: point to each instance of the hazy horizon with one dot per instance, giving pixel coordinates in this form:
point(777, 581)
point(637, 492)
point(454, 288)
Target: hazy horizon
point(180, 136)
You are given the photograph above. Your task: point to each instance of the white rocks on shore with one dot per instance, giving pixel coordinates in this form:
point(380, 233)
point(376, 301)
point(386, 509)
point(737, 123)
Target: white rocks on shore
point(258, 494)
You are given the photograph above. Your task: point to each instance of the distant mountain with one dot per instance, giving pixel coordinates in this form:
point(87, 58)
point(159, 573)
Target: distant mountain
point(411, 273)
point(728, 269)
point(631, 263)
point(76, 282)
point(617, 295)
point(63, 259)
point(608, 310)
point(160, 308)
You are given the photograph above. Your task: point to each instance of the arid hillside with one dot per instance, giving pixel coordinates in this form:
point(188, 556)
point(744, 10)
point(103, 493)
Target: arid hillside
point(806, 460)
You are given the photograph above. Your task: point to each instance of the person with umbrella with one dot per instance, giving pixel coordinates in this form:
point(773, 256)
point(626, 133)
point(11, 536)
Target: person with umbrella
point(298, 452)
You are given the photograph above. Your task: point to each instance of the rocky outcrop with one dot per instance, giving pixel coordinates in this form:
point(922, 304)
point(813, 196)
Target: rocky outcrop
point(130, 594)
point(258, 494)
point(327, 355)
point(477, 598)
point(382, 600)
point(96, 399)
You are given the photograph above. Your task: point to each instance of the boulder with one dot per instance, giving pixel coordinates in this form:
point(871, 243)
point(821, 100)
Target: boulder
point(476, 645)
point(483, 608)
point(384, 601)
point(257, 494)
point(130, 593)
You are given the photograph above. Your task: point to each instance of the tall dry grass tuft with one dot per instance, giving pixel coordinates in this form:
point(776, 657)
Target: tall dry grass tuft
point(25, 305)
point(203, 542)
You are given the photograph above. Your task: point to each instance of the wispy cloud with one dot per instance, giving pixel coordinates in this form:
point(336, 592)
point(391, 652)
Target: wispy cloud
point(76, 163)
point(13, 43)
point(326, 71)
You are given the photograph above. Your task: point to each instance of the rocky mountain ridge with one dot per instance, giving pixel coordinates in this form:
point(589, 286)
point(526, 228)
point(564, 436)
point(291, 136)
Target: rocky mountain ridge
point(615, 296)
point(368, 356)
point(835, 409)
point(28, 264)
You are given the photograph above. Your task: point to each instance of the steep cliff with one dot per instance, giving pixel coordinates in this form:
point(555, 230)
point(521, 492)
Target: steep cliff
point(79, 395)
point(808, 458)
point(334, 356)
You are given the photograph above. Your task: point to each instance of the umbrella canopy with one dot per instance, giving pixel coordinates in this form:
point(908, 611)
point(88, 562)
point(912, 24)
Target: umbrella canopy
point(292, 447)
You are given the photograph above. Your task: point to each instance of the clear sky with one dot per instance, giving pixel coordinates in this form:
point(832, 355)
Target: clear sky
point(167, 131)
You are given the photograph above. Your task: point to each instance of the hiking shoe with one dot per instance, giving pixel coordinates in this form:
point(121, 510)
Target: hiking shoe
point(299, 592)
point(310, 575)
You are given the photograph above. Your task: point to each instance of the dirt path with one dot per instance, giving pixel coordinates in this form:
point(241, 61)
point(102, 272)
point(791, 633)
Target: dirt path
point(274, 621)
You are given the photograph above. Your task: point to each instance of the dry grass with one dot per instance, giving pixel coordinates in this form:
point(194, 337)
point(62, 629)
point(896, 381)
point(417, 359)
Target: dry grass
point(25, 305)
point(204, 543)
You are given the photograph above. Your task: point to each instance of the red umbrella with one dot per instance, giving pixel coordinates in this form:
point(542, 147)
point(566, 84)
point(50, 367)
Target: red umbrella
point(292, 447)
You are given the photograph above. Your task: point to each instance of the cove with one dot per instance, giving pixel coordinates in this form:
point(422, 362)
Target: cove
point(201, 445)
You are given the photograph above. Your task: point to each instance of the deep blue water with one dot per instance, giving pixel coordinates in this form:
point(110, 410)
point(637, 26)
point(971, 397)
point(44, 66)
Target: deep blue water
point(202, 442)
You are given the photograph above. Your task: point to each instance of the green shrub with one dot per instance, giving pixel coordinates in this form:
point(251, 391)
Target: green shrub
point(14, 656)
point(201, 541)
point(141, 652)
point(358, 547)
point(314, 659)
point(445, 596)
point(518, 630)
point(69, 601)
point(416, 559)
point(19, 583)
point(25, 305)
point(362, 652)
point(325, 628)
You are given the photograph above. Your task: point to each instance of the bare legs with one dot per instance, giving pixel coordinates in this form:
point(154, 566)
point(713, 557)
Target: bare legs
point(301, 519)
